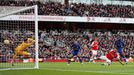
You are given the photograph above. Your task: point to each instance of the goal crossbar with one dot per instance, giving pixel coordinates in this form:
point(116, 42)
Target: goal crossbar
point(17, 11)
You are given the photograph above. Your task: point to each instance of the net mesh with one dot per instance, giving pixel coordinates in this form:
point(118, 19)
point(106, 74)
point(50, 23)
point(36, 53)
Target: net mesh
point(16, 32)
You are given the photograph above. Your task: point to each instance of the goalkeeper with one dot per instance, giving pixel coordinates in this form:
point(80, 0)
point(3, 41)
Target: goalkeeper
point(19, 50)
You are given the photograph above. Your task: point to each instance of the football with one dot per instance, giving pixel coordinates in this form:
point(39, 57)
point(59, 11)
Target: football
point(6, 42)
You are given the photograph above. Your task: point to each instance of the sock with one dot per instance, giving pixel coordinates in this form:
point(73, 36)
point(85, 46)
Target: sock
point(88, 59)
point(80, 60)
point(69, 61)
point(125, 60)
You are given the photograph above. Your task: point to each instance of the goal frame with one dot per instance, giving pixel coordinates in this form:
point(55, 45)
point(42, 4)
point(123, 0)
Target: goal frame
point(35, 19)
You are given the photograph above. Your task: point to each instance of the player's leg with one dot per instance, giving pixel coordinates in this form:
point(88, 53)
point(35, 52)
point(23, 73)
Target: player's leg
point(14, 57)
point(122, 55)
point(107, 61)
point(94, 53)
point(91, 58)
point(70, 56)
point(79, 57)
point(26, 54)
point(88, 56)
point(102, 58)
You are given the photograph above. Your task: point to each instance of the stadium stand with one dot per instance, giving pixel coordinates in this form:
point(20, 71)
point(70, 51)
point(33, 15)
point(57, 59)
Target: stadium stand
point(80, 9)
point(54, 44)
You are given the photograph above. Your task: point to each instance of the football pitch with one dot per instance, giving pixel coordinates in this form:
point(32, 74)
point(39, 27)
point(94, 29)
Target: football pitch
point(75, 69)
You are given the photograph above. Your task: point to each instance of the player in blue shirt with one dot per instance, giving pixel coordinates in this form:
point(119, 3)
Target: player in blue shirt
point(119, 44)
point(76, 48)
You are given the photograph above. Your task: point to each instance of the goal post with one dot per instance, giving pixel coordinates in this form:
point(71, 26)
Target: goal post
point(16, 30)
point(36, 35)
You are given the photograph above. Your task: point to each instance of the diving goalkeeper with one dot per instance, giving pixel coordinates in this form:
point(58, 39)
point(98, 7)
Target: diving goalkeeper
point(19, 50)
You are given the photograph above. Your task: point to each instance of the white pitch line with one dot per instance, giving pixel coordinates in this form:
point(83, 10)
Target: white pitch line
point(72, 71)
point(84, 71)
point(16, 69)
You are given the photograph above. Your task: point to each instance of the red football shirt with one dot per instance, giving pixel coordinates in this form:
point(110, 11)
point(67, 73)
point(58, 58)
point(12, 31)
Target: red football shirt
point(111, 55)
point(94, 45)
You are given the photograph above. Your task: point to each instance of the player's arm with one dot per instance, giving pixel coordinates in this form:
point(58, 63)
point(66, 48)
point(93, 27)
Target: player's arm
point(115, 44)
point(80, 47)
point(112, 55)
point(123, 44)
point(92, 44)
point(31, 41)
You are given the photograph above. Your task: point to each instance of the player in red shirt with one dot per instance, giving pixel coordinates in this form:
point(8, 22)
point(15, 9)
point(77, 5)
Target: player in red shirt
point(94, 49)
point(110, 56)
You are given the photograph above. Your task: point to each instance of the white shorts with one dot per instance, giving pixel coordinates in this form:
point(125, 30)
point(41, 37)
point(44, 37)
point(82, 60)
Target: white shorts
point(94, 52)
point(105, 58)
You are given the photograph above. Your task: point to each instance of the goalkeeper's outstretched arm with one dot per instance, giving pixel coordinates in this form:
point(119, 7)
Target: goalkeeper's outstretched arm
point(31, 41)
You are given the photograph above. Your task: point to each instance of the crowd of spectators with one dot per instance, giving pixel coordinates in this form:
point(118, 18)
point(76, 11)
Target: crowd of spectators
point(73, 9)
point(55, 44)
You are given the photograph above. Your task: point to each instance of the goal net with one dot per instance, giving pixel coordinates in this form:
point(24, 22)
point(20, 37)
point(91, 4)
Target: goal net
point(18, 37)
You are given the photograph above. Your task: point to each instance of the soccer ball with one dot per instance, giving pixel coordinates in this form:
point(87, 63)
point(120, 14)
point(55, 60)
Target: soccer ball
point(72, 59)
point(6, 42)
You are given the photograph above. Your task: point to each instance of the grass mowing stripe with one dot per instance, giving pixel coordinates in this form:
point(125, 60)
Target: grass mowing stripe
point(84, 71)
point(75, 69)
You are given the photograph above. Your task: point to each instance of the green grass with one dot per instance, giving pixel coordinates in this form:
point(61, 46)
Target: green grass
point(75, 69)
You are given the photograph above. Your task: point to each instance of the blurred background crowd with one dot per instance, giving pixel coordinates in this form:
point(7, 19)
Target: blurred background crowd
point(76, 9)
point(55, 44)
